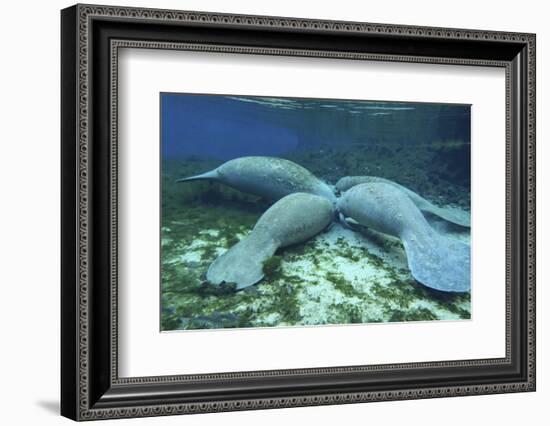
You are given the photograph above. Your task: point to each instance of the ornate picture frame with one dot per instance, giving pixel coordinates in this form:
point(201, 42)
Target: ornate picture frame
point(91, 38)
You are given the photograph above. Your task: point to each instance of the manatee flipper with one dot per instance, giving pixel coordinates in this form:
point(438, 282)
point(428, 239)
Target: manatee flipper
point(438, 262)
point(435, 260)
point(450, 214)
point(350, 221)
point(445, 227)
point(243, 263)
point(291, 220)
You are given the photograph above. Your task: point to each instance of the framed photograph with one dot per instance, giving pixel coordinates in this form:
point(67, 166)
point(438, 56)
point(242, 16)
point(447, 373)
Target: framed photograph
point(263, 212)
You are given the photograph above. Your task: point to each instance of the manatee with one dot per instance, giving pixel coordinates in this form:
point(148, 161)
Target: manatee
point(269, 177)
point(437, 261)
point(453, 215)
point(291, 220)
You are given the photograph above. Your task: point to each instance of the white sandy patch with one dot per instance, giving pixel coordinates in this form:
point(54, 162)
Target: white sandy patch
point(269, 319)
point(188, 257)
point(209, 232)
point(341, 256)
point(336, 244)
point(434, 309)
point(393, 254)
point(193, 252)
point(317, 302)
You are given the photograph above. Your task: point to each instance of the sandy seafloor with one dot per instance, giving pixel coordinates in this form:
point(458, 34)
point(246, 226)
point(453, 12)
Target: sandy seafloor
point(341, 276)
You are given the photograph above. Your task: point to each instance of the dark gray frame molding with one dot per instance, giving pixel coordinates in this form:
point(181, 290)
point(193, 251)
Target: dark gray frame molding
point(91, 38)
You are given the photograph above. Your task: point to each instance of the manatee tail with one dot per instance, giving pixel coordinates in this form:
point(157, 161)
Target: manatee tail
point(243, 263)
point(213, 174)
point(437, 261)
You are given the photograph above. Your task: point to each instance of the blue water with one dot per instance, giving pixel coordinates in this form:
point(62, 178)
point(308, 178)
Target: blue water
point(225, 127)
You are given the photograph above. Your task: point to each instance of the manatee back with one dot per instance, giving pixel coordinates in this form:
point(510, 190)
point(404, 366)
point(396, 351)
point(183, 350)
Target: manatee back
point(450, 214)
point(291, 220)
point(348, 182)
point(381, 206)
point(295, 218)
point(271, 177)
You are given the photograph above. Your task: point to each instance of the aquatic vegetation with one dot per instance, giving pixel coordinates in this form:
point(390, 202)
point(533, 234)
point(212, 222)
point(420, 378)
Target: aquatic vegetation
point(415, 166)
point(231, 240)
point(272, 265)
point(452, 161)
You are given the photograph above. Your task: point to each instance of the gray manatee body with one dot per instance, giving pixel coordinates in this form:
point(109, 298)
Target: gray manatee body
point(436, 261)
point(453, 215)
point(291, 220)
point(269, 177)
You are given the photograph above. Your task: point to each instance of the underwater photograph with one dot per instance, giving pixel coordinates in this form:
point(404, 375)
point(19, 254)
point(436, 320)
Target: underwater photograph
point(280, 211)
